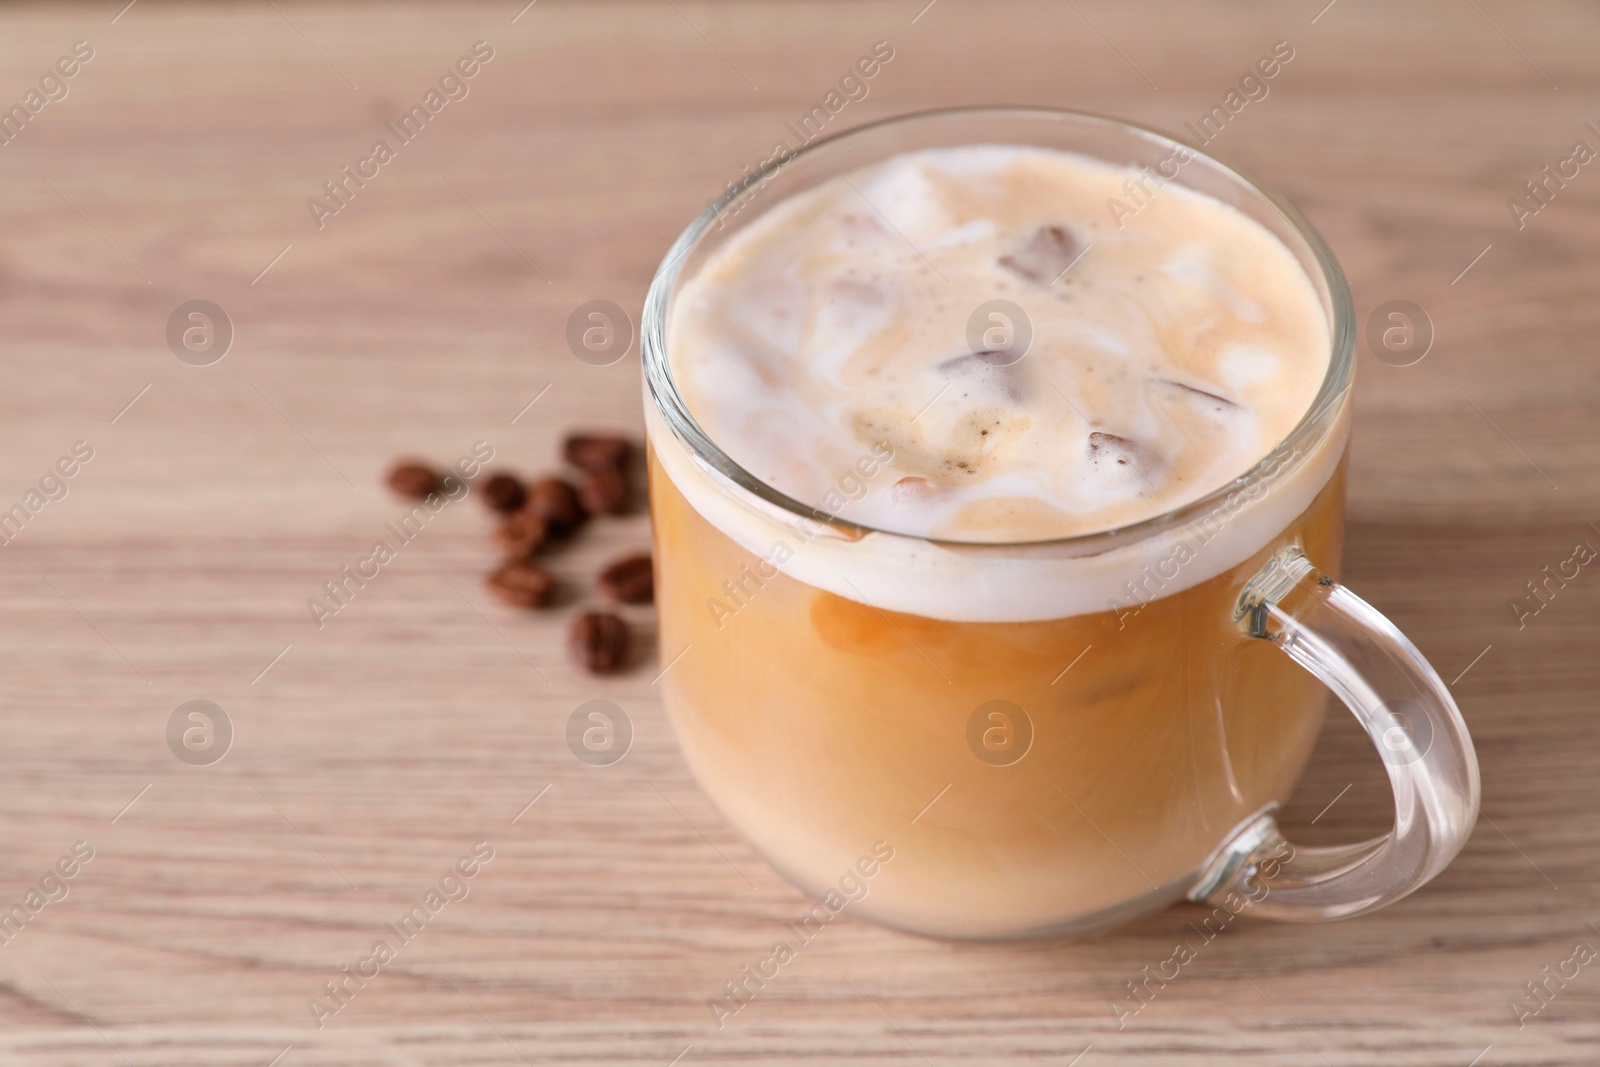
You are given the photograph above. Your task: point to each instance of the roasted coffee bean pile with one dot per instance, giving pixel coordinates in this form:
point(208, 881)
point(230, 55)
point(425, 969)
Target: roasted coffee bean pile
point(534, 516)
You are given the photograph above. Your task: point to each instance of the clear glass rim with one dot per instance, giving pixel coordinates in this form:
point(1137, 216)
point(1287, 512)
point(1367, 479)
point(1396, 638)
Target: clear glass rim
point(1307, 432)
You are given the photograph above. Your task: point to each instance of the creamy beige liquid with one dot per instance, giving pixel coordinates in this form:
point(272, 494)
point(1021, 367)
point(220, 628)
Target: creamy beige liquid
point(1167, 356)
point(825, 681)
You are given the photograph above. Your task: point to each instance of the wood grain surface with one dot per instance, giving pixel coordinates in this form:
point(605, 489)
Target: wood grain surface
point(429, 312)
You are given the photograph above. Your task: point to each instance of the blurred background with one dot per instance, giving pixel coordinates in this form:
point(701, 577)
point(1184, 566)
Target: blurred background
point(217, 482)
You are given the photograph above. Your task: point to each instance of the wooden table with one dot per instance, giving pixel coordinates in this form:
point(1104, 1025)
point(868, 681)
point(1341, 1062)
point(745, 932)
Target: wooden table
point(430, 311)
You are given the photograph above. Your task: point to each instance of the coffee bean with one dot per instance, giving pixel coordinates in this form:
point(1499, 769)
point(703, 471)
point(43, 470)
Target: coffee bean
point(556, 502)
point(604, 492)
point(521, 584)
point(599, 642)
point(629, 580)
point(521, 534)
point(413, 479)
point(597, 452)
point(504, 493)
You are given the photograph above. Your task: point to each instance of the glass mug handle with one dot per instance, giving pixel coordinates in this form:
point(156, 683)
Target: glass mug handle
point(1409, 714)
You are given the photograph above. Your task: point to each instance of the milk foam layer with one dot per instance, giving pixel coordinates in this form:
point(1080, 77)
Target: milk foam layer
point(1168, 357)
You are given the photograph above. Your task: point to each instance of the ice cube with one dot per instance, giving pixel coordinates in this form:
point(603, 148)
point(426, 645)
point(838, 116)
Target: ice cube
point(913, 490)
point(986, 375)
point(1112, 451)
point(1045, 256)
point(1183, 391)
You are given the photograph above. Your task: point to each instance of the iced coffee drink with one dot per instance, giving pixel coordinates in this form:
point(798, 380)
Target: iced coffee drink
point(944, 604)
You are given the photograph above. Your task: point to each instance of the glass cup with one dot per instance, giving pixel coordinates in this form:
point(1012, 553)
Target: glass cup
point(1127, 743)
